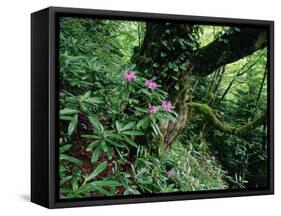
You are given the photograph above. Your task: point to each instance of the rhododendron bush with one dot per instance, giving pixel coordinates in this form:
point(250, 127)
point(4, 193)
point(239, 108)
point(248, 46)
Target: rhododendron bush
point(150, 108)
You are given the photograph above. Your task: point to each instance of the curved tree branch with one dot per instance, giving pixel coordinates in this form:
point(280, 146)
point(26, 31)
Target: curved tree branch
point(227, 49)
point(224, 127)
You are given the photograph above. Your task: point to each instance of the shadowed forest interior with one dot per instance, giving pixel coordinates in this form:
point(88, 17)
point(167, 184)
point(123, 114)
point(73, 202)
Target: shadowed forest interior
point(160, 107)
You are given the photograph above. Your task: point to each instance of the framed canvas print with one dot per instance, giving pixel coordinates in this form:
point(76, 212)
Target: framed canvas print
point(138, 107)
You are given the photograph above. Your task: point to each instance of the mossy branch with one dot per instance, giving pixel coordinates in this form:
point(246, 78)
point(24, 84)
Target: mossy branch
point(227, 49)
point(211, 117)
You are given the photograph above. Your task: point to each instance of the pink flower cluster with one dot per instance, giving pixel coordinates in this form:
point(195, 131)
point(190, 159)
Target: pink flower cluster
point(170, 173)
point(151, 84)
point(129, 75)
point(152, 109)
point(167, 106)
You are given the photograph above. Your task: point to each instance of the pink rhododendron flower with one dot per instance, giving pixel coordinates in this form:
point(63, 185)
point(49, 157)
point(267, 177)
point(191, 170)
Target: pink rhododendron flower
point(151, 84)
point(129, 75)
point(152, 109)
point(170, 173)
point(167, 106)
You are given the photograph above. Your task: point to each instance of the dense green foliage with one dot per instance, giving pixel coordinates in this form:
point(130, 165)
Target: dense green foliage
point(111, 116)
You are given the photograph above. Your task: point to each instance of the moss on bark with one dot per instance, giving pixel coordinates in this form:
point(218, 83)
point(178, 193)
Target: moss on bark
point(212, 118)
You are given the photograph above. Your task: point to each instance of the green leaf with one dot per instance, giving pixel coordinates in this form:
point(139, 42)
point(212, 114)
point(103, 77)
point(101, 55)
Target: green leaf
point(112, 134)
point(68, 111)
point(133, 133)
point(97, 186)
point(70, 159)
point(74, 183)
point(89, 187)
point(65, 148)
point(142, 123)
point(95, 122)
point(105, 183)
point(183, 66)
point(175, 67)
point(72, 125)
point(95, 100)
point(62, 168)
point(163, 54)
point(90, 136)
point(101, 167)
point(103, 146)
point(156, 129)
point(95, 155)
point(109, 152)
point(116, 144)
point(65, 190)
point(155, 65)
point(165, 43)
point(140, 110)
point(92, 145)
point(66, 179)
point(67, 118)
point(86, 95)
point(103, 191)
point(132, 143)
point(120, 154)
point(132, 66)
point(118, 126)
point(129, 126)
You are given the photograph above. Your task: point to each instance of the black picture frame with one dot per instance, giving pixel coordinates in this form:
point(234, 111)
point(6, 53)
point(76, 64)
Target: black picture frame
point(44, 107)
